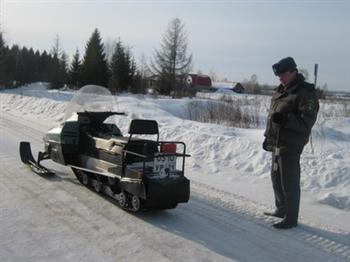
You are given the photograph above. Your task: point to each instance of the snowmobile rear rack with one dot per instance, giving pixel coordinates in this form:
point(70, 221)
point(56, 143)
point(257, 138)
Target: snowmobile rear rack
point(28, 159)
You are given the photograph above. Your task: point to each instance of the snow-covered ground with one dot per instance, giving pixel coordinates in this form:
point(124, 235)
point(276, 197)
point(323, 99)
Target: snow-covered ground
point(231, 187)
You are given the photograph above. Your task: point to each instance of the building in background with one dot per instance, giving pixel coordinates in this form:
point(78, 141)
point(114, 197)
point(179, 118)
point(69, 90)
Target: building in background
point(238, 88)
point(199, 82)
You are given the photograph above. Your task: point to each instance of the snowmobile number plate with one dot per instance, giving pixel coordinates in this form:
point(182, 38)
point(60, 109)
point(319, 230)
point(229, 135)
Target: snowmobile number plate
point(164, 164)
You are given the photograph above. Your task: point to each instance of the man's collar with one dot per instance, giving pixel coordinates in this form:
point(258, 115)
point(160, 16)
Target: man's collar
point(293, 86)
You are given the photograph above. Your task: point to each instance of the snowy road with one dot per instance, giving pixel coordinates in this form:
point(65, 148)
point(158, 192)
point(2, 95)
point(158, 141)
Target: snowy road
point(57, 219)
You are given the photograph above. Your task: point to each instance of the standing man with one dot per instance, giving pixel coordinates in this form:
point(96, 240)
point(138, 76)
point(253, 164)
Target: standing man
point(293, 112)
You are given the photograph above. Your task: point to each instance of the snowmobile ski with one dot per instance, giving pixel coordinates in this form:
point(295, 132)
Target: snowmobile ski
point(28, 159)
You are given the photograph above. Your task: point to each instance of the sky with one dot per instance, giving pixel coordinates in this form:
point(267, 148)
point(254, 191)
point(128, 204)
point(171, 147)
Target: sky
point(233, 39)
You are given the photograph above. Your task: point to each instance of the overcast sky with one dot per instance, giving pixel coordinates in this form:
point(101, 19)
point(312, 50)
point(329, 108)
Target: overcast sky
point(234, 39)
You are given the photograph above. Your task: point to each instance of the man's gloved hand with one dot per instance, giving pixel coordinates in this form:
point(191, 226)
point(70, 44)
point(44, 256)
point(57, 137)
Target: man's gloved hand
point(267, 145)
point(264, 145)
point(279, 118)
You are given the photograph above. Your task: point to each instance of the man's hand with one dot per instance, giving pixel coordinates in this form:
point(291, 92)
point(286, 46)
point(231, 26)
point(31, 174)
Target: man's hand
point(279, 118)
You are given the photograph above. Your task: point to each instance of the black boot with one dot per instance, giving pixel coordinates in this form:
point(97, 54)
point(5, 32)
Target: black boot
point(285, 224)
point(277, 213)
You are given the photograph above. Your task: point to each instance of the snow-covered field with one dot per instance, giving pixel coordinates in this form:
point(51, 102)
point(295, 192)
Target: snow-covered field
point(230, 188)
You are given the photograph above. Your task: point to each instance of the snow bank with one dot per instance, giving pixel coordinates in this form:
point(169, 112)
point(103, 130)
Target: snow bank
point(35, 102)
point(222, 156)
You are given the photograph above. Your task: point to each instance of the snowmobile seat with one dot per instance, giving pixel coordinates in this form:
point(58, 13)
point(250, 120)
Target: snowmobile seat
point(140, 146)
point(143, 127)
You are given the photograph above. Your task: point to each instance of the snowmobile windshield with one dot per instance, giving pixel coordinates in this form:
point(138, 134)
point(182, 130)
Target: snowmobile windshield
point(91, 98)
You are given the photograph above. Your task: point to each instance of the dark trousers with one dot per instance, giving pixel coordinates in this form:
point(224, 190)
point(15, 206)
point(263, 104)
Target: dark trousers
point(286, 185)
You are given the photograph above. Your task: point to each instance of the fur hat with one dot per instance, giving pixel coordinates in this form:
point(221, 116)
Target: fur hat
point(284, 65)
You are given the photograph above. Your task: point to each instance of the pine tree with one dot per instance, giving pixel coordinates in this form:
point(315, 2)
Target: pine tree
point(115, 68)
point(131, 72)
point(2, 61)
point(2, 42)
point(30, 66)
point(63, 62)
point(57, 67)
point(122, 68)
point(22, 73)
point(75, 70)
point(171, 63)
point(11, 66)
point(44, 64)
point(94, 68)
point(54, 69)
point(37, 73)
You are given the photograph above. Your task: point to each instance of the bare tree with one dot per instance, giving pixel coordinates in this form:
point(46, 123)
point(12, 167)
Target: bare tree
point(56, 49)
point(109, 45)
point(325, 87)
point(254, 79)
point(252, 86)
point(213, 76)
point(143, 71)
point(171, 63)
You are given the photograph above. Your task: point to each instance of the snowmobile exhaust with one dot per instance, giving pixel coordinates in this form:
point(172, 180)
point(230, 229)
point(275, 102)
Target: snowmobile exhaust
point(27, 158)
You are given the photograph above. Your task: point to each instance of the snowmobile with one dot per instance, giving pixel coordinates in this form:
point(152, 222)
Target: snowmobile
point(139, 172)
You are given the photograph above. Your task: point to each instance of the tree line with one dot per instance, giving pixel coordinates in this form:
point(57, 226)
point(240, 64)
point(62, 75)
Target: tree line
point(20, 66)
point(169, 66)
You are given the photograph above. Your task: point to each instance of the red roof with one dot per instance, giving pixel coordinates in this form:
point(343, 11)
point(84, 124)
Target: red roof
point(200, 80)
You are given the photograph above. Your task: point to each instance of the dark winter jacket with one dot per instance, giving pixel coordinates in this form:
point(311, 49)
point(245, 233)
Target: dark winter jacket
point(297, 107)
